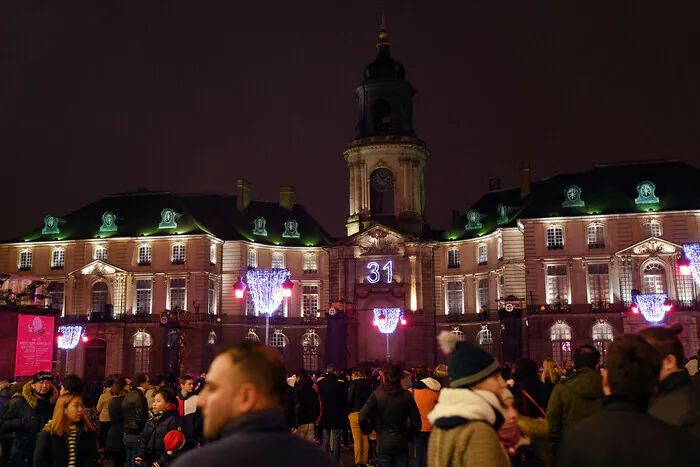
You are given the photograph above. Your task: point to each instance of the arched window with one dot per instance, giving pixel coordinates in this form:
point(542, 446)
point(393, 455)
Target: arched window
point(381, 184)
point(555, 237)
point(58, 258)
point(252, 259)
point(651, 229)
point(211, 339)
point(483, 254)
point(144, 255)
point(98, 297)
point(560, 335)
point(602, 333)
point(100, 253)
point(178, 254)
point(252, 336)
point(279, 341)
point(654, 275)
point(458, 332)
point(55, 293)
point(485, 339)
point(310, 342)
point(596, 236)
point(142, 352)
point(277, 260)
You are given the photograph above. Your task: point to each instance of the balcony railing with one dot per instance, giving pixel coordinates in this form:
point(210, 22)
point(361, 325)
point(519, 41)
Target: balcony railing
point(600, 305)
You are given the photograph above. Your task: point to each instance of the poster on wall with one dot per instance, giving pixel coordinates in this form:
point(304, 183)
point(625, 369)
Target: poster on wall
point(34, 344)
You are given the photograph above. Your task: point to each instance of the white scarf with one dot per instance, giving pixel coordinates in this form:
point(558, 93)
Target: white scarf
point(470, 404)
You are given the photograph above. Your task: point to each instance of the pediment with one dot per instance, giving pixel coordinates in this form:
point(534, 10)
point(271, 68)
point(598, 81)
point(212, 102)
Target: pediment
point(98, 268)
point(651, 247)
point(379, 240)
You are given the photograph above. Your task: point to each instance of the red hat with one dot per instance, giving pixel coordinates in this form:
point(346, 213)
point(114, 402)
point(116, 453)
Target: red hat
point(173, 440)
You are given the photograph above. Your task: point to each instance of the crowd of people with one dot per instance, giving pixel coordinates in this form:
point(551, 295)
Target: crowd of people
point(642, 409)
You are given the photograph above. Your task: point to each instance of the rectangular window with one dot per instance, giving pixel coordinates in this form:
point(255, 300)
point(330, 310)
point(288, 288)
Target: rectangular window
point(309, 301)
point(282, 309)
point(626, 269)
point(58, 258)
point(598, 285)
point(483, 254)
point(212, 254)
point(596, 239)
point(654, 284)
point(651, 229)
point(143, 296)
point(500, 248)
point(25, 260)
point(144, 254)
point(56, 293)
point(483, 294)
point(453, 258)
point(310, 263)
point(455, 297)
point(686, 296)
point(252, 259)
point(277, 260)
point(101, 253)
point(557, 284)
point(211, 297)
point(555, 238)
point(178, 294)
point(250, 304)
point(178, 254)
point(501, 286)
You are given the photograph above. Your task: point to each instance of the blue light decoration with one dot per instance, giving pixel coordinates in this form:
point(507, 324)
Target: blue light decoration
point(266, 286)
point(386, 319)
point(692, 252)
point(69, 336)
point(653, 306)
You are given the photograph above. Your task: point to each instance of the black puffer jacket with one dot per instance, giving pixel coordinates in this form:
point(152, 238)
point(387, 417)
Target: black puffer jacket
point(153, 436)
point(393, 414)
point(52, 450)
point(115, 436)
point(332, 391)
point(26, 416)
point(677, 402)
point(359, 391)
point(134, 411)
point(307, 406)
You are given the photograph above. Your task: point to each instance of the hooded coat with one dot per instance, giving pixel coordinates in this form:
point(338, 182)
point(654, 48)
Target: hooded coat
point(26, 416)
point(574, 399)
point(153, 435)
point(393, 414)
point(464, 430)
point(677, 402)
point(426, 392)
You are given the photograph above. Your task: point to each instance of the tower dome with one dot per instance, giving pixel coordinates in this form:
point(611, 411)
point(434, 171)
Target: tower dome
point(384, 67)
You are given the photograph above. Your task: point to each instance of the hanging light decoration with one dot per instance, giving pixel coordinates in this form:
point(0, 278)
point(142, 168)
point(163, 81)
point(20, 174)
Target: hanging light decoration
point(692, 256)
point(653, 306)
point(386, 319)
point(287, 288)
point(239, 288)
point(68, 337)
point(266, 286)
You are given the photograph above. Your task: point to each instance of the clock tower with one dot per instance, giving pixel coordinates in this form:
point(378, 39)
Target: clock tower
point(386, 159)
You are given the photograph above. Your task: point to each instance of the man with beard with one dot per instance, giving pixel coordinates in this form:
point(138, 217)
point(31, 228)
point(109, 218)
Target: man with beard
point(26, 416)
point(242, 408)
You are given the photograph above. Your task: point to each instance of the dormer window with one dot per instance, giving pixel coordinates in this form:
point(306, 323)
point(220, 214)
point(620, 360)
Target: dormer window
point(453, 258)
point(555, 237)
point(58, 258)
point(651, 228)
point(178, 256)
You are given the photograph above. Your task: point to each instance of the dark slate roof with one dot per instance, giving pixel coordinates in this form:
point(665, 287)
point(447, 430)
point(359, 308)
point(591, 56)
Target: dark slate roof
point(605, 189)
point(138, 214)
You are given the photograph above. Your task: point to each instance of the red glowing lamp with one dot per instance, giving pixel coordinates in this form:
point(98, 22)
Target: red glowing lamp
point(635, 309)
point(684, 267)
point(382, 318)
point(239, 288)
point(667, 307)
point(287, 288)
point(403, 321)
point(85, 339)
point(59, 337)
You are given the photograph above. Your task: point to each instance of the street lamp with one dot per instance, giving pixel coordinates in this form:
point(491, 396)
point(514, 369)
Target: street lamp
point(386, 319)
point(268, 287)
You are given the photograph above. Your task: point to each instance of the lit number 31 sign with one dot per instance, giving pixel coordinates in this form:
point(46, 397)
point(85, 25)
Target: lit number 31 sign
point(375, 274)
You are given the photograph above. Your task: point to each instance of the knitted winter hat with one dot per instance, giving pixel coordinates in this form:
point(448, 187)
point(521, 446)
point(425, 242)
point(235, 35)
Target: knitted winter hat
point(173, 440)
point(468, 364)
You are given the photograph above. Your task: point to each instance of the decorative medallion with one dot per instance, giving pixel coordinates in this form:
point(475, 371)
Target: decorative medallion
point(473, 220)
point(168, 219)
point(645, 193)
point(259, 224)
point(291, 229)
point(572, 196)
point(502, 214)
point(51, 224)
point(109, 222)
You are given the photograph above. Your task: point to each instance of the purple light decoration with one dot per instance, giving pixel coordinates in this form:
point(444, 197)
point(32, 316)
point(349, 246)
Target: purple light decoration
point(692, 252)
point(265, 286)
point(652, 306)
point(390, 321)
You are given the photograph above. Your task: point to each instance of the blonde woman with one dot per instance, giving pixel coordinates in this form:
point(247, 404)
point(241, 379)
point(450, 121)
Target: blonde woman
point(68, 439)
point(551, 374)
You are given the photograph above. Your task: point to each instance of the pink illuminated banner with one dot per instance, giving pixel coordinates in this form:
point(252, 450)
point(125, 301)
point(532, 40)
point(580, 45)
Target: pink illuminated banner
point(34, 344)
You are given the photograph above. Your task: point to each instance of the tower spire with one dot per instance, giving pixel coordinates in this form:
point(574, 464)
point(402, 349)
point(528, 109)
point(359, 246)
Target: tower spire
point(383, 41)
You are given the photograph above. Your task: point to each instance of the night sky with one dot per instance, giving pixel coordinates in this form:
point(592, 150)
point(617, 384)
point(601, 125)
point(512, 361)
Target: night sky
point(102, 97)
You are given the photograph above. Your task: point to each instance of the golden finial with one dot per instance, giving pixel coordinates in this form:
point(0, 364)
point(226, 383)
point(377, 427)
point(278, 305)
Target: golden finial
point(382, 31)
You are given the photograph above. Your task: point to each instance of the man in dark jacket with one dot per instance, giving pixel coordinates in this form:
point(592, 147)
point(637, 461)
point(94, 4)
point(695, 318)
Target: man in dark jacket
point(242, 409)
point(677, 400)
point(623, 434)
point(333, 414)
point(577, 397)
point(359, 390)
point(135, 415)
point(26, 416)
point(190, 414)
point(393, 414)
point(307, 407)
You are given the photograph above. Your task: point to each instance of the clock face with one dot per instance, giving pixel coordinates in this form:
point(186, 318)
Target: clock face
point(168, 216)
point(645, 190)
point(382, 180)
point(51, 222)
point(572, 194)
point(109, 219)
